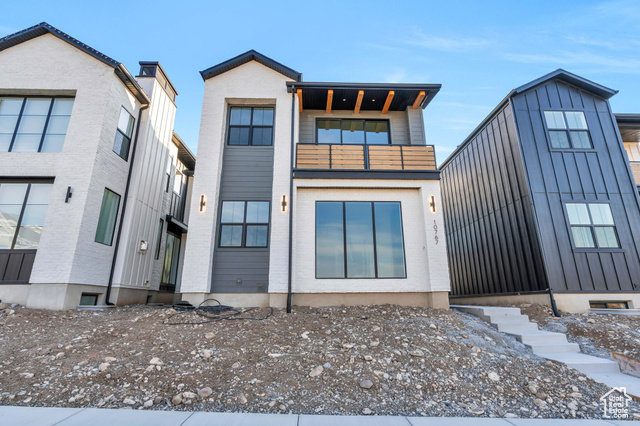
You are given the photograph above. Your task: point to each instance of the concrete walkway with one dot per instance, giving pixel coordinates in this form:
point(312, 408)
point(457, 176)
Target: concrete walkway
point(553, 346)
point(36, 416)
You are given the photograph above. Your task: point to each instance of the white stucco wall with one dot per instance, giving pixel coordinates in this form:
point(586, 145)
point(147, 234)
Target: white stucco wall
point(248, 84)
point(426, 260)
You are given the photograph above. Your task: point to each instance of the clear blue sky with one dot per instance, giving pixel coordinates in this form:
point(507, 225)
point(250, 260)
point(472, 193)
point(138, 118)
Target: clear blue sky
point(477, 50)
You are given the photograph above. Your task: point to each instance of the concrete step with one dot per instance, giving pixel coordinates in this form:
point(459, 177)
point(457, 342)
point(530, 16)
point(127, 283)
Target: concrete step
point(585, 363)
point(554, 348)
point(486, 310)
point(539, 337)
point(508, 319)
point(617, 380)
point(516, 327)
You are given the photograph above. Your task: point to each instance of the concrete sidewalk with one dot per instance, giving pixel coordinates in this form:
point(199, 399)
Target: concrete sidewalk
point(36, 416)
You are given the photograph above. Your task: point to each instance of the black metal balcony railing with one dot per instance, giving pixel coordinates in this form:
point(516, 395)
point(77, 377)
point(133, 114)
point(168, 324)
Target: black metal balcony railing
point(366, 157)
point(177, 207)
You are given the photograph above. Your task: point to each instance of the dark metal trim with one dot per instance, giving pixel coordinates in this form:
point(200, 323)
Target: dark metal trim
point(176, 223)
point(366, 174)
point(248, 56)
point(575, 80)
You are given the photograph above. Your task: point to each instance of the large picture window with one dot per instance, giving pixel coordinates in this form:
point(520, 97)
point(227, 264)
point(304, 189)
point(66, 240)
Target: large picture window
point(592, 226)
point(123, 134)
point(244, 224)
point(359, 132)
point(34, 124)
point(23, 207)
point(359, 240)
point(250, 126)
point(568, 129)
point(108, 217)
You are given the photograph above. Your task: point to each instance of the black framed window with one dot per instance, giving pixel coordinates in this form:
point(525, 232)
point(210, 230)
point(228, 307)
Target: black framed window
point(159, 239)
point(250, 126)
point(108, 217)
point(34, 124)
point(124, 133)
point(352, 132)
point(356, 239)
point(244, 224)
point(592, 226)
point(23, 207)
point(169, 276)
point(568, 130)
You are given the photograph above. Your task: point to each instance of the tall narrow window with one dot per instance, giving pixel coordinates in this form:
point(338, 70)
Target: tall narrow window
point(568, 129)
point(348, 131)
point(592, 225)
point(108, 217)
point(123, 134)
point(250, 126)
point(23, 208)
point(359, 240)
point(244, 224)
point(34, 124)
point(170, 263)
point(159, 239)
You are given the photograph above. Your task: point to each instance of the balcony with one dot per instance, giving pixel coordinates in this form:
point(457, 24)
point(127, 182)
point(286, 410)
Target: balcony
point(416, 158)
point(635, 169)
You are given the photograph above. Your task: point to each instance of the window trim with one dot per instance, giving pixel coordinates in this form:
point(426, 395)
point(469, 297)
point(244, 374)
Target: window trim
point(567, 131)
point(244, 225)
point(46, 123)
point(115, 222)
point(251, 125)
point(156, 255)
point(341, 119)
point(591, 226)
point(344, 241)
point(129, 138)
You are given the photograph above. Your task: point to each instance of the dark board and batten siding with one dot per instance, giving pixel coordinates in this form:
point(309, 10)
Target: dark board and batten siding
point(247, 174)
point(491, 237)
point(556, 177)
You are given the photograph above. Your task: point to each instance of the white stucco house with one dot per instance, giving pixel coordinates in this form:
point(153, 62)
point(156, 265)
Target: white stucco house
point(313, 193)
point(94, 184)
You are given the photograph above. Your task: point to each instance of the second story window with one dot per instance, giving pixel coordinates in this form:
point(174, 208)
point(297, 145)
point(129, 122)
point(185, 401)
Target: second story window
point(250, 126)
point(349, 132)
point(592, 226)
point(568, 129)
point(123, 134)
point(34, 124)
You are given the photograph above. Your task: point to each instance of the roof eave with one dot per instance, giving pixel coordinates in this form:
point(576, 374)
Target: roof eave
point(575, 80)
point(246, 57)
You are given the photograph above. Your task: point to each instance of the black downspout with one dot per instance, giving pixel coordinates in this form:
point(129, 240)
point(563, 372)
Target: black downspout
point(293, 110)
point(124, 209)
point(553, 303)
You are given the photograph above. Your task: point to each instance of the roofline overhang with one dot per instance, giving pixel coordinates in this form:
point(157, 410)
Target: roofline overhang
point(44, 28)
point(157, 64)
point(183, 149)
point(575, 80)
point(630, 120)
point(431, 89)
point(246, 57)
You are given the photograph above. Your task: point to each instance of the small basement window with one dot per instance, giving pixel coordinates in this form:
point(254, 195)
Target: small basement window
point(88, 299)
point(609, 305)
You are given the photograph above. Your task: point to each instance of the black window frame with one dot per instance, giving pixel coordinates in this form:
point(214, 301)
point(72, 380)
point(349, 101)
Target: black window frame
point(591, 227)
point(567, 131)
point(251, 126)
point(46, 124)
point(128, 138)
point(159, 240)
point(244, 225)
point(115, 222)
point(27, 182)
point(364, 120)
point(344, 241)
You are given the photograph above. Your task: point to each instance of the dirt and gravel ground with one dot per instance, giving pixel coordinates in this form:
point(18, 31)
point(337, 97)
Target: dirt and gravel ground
point(381, 360)
point(596, 334)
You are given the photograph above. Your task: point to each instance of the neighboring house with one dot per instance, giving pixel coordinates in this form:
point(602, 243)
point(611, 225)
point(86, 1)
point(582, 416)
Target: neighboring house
point(540, 202)
point(82, 143)
point(629, 126)
point(326, 191)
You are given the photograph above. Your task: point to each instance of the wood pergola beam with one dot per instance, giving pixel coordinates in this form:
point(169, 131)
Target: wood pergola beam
point(418, 100)
point(329, 100)
point(387, 103)
point(299, 91)
point(359, 101)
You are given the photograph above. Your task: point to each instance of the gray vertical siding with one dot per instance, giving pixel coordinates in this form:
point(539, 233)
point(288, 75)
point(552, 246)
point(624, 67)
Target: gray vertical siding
point(557, 177)
point(489, 222)
point(247, 174)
